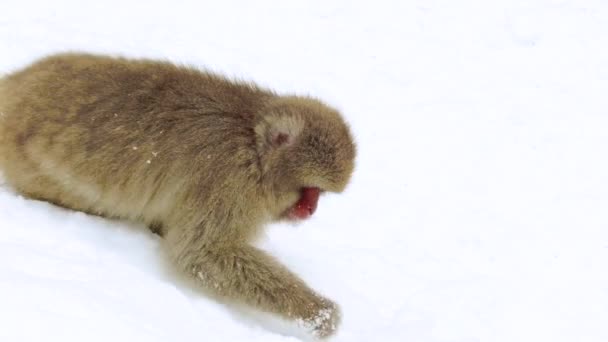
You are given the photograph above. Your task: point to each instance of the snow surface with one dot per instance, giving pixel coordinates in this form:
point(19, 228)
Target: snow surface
point(478, 211)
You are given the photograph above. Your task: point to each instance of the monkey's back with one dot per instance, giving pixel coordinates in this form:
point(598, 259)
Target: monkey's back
point(125, 138)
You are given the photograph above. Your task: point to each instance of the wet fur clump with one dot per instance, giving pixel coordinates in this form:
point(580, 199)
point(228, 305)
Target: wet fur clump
point(204, 161)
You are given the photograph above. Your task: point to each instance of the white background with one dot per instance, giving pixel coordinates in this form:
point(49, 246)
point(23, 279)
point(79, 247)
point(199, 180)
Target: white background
point(478, 210)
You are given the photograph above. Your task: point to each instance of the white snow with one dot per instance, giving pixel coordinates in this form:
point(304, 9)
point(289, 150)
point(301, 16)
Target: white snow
point(479, 207)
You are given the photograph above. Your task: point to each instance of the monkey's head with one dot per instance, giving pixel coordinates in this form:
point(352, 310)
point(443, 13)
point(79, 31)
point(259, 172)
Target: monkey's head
point(305, 149)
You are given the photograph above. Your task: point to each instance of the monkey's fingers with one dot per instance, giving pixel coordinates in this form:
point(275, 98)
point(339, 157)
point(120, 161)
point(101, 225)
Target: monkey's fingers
point(324, 320)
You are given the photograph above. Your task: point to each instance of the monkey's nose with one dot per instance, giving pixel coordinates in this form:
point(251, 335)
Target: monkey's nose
point(310, 196)
point(307, 204)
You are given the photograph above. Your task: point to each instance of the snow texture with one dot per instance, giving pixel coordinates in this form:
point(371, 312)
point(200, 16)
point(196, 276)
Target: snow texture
point(478, 210)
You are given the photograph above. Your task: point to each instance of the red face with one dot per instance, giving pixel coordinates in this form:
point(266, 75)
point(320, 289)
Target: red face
point(306, 205)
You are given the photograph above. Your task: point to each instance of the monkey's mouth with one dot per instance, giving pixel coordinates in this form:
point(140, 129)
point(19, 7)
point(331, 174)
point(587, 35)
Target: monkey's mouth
point(306, 205)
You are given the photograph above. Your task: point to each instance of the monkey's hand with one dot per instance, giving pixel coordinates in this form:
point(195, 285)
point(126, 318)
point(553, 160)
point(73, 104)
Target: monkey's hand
point(322, 319)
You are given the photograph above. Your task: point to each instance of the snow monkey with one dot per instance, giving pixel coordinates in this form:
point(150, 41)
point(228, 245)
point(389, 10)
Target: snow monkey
point(204, 160)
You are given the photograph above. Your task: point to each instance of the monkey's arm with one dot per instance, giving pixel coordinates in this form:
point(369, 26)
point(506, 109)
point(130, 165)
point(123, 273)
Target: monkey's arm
point(247, 275)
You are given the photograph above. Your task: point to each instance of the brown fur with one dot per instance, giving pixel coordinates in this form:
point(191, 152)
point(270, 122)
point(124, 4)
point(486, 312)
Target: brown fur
point(203, 160)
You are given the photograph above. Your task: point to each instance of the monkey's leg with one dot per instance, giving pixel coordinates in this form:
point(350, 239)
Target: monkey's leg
point(247, 275)
point(39, 187)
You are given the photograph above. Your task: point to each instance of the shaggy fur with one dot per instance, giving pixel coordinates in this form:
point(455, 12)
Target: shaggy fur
point(203, 160)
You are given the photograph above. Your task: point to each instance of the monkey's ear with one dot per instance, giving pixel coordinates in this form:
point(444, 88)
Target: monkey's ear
point(275, 132)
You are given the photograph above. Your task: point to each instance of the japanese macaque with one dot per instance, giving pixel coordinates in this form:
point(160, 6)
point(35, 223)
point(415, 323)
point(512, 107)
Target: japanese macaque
point(203, 160)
